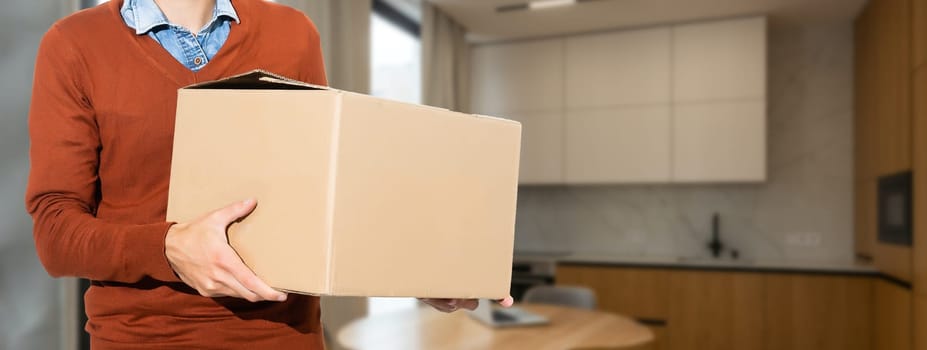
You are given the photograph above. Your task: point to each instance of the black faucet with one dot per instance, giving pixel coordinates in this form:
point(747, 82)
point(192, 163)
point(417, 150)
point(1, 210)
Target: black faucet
point(715, 244)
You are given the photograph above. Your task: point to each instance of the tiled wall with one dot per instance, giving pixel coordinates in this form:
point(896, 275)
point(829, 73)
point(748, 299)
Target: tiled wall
point(809, 188)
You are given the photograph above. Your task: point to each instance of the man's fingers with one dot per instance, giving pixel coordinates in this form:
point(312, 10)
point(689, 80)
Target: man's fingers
point(249, 280)
point(443, 306)
point(233, 212)
point(240, 290)
point(451, 305)
point(506, 302)
point(469, 304)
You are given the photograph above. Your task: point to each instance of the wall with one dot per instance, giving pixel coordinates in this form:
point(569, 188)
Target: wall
point(809, 188)
point(29, 299)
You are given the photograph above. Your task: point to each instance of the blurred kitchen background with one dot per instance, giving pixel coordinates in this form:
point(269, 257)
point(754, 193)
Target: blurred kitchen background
point(733, 174)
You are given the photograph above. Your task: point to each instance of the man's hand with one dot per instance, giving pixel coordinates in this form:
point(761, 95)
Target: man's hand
point(451, 305)
point(199, 253)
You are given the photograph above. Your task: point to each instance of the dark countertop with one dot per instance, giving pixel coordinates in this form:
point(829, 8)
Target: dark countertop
point(702, 263)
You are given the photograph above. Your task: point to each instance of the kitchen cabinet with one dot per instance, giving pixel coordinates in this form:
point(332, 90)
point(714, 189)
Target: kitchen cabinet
point(864, 128)
point(720, 142)
point(722, 310)
point(719, 96)
point(716, 310)
point(618, 69)
point(678, 103)
point(920, 182)
point(920, 203)
point(894, 260)
point(883, 87)
point(524, 81)
point(919, 33)
point(541, 147)
point(619, 144)
point(521, 76)
point(865, 217)
point(634, 292)
point(818, 312)
point(892, 317)
point(638, 293)
point(865, 135)
point(891, 34)
point(720, 60)
point(660, 340)
point(884, 144)
point(920, 322)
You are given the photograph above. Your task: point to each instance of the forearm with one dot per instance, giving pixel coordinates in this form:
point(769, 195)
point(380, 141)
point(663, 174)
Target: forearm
point(70, 241)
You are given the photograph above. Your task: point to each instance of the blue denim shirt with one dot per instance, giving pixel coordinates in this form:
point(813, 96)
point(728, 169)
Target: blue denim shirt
point(193, 51)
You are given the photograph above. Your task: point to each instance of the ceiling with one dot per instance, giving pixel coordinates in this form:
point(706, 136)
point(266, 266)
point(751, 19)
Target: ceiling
point(485, 24)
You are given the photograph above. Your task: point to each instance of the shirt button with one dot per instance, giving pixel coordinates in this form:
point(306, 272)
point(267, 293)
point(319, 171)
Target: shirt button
point(198, 61)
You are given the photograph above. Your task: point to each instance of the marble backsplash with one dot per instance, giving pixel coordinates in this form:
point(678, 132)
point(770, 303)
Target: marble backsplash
point(809, 192)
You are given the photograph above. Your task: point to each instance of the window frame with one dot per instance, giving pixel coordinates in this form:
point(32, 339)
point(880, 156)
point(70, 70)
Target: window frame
point(391, 14)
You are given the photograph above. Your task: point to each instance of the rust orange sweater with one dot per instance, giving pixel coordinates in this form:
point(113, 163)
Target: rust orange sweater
point(101, 127)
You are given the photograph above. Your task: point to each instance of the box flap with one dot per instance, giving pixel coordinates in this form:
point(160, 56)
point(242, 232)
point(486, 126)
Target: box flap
point(256, 79)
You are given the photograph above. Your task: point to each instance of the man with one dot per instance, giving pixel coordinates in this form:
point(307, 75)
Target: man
point(101, 126)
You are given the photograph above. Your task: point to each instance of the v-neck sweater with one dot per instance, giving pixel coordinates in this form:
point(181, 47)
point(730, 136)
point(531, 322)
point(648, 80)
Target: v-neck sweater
point(101, 125)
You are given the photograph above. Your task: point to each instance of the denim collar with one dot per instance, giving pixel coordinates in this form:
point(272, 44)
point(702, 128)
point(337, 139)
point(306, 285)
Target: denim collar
point(145, 15)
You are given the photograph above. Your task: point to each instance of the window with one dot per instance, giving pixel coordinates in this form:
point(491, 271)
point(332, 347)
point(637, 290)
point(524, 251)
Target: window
point(395, 73)
point(395, 55)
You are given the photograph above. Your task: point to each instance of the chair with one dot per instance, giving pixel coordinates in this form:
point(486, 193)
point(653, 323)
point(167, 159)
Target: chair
point(578, 297)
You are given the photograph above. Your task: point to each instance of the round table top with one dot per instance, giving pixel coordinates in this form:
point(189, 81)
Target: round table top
point(426, 328)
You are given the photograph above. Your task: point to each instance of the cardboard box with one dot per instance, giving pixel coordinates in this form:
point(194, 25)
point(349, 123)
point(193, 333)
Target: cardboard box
point(357, 196)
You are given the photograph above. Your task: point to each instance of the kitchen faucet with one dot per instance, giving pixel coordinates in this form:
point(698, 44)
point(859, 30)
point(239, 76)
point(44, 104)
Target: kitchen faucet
point(715, 244)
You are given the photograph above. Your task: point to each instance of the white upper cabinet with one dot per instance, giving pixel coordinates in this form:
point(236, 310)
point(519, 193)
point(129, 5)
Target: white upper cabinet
point(720, 60)
point(720, 142)
point(618, 68)
point(674, 104)
point(541, 147)
point(618, 145)
point(521, 76)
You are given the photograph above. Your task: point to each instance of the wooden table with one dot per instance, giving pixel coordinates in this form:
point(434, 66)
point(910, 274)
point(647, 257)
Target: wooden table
point(427, 329)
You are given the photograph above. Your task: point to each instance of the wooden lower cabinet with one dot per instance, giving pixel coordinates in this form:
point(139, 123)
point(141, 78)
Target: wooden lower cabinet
point(920, 168)
point(892, 328)
point(807, 312)
point(721, 310)
point(716, 310)
point(920, 322)
point(660, 342)
point(635, 292)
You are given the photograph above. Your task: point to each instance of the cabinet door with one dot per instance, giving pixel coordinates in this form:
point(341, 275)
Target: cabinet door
point(919, 33)
point(892, 84)
point(720, 142)
point(618, 68)
point(865, 217)
point(806, 312)
point(920, 322)
point(720, 60)
point(636, 293)
point(865, 134)
point(716, 311)
point(893, 319)
point(618, 145)
point(920, 182)
point(660, 340)
point(865, 125)
point(541, 147)
point(523, 76)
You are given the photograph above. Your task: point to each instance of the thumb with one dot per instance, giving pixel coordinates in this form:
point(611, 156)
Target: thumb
point(234, 211)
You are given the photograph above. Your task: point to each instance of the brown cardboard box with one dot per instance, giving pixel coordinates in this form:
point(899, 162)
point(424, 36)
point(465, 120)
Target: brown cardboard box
point(357, 196)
